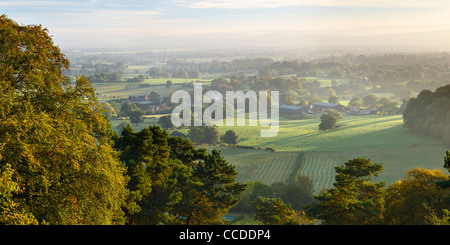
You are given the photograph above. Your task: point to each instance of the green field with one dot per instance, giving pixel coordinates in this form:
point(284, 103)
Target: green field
point(383, 139)
point(303, 149)
point(327, 81)
point(261, 165)
point(122, 90)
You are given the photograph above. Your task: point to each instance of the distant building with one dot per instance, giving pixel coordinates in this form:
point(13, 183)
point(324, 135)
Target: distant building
point(293, 110)
point(361, 112)
point(353, 111)
point(322, 106)
point(368, 112)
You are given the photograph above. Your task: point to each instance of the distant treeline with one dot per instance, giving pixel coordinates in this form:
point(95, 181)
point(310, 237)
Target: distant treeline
point(89, 68)
point(302, 187)
point(114, 77)
point(185, 69)
point(106, 77)
point(429, 113)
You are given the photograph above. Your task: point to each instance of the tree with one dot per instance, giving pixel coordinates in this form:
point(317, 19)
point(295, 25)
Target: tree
point(183, 150)
point(195, 134)
point(231, 138)
point(178, 134)
point(165, 122)
point(355, 102)
point(204, 134)
point(354, 199)
point(333, 99)
point(125, 108)
point(172, 182)
point(211, 135)
point(120, 127)
point(136, 115)
point(330, 119)
point(271, 211)
point(370, 101)
point(145, 155)
point(154, 98)
point(387, 106)
point(55, 142)
point(429, 113)
point(11, 212)
point(141, 78)
point(109, 110)
point(327, 122)
point(334, 83)
point(303, 103)
point(251, 193)
point(315, 84)
point(298, 193)
point(416, 198)
point(335, 113)
point(290, 97)
point(211, 193)
point(169, 84)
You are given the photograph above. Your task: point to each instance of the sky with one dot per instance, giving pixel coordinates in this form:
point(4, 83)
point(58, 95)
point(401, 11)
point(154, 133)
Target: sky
point(246, 23)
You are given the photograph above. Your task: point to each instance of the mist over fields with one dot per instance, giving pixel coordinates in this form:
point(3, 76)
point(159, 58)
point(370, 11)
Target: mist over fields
point(400, 42)
point(359, 99)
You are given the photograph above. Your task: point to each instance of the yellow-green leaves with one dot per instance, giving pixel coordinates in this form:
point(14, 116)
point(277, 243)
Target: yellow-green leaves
point(53, 136)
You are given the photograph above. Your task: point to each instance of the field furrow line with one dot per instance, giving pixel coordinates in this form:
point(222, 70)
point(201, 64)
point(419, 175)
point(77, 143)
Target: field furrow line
point(307, 167)
point(303, 166)
point(260, 170)
point(319, 172)
point(316, 171)
point(289, 167)
point(270, 173)
point(267, 170)
point(264, 170)
point(286, 162)
point(278, 169)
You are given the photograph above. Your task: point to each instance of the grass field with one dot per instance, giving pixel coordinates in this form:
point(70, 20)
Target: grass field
point(383, 139)
point(326, 81)
point(122, 90)
point(260, 164)
point(303, 149)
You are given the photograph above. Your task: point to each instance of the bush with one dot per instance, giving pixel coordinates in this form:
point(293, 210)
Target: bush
point(329, 120)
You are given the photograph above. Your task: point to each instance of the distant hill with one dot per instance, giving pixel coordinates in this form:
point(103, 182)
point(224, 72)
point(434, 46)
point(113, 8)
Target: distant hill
point(435, 41)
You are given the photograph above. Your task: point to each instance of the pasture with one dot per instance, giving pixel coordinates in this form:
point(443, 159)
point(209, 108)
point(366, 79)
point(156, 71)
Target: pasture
point(383, 139)
point(122, 90)
point(303, 149)
point(261, 165)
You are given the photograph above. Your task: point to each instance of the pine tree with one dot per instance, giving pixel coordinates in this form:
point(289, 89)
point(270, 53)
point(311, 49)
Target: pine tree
point(354, 199)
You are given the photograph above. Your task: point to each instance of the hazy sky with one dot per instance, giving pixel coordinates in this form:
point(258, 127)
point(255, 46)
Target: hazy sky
point(104, 23)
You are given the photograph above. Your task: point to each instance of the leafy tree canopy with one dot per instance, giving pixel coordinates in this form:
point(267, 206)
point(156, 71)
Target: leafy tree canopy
point(55, 141)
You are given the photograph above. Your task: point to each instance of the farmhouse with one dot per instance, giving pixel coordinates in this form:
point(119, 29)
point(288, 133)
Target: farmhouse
point(321, 106)
point(368, 112)
point(361, 112)
point(293, 110)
